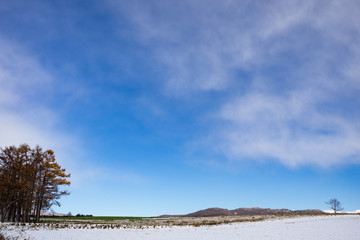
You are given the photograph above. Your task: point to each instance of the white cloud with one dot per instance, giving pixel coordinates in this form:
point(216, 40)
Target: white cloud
point(287, 129)
point(301, 61)
point(200, 44)
point(26, 117)
point(20, 74)
point(25, 88)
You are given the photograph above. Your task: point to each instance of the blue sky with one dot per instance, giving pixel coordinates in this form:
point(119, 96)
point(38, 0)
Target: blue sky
point(168, 107)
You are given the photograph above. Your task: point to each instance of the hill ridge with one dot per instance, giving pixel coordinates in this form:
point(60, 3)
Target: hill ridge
point(215, 211)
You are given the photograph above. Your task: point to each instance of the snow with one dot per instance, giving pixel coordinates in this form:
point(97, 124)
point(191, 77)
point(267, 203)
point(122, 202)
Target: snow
point(356, 211)
point(344, 227)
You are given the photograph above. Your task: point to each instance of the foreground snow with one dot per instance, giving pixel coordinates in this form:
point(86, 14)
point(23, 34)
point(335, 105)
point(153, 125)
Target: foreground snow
point(321, 227)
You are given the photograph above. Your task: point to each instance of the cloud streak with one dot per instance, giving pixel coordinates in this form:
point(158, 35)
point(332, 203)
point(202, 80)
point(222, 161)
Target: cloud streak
point(287, 129)
point(298, 74)
point(25, 115)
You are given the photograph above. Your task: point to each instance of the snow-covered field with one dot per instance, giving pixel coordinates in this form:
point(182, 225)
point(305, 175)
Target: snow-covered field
point(318, 228)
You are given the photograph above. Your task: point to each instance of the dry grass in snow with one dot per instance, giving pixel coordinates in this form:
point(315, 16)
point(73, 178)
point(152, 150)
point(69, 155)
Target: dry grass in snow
point(272, 227)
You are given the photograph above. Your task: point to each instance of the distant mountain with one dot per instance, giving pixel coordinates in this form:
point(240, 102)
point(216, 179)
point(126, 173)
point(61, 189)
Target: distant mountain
point(52, 214)
point(257, 210)
point(212, 212)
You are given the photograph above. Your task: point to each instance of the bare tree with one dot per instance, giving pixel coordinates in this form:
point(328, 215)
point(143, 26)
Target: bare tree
point(335, 205)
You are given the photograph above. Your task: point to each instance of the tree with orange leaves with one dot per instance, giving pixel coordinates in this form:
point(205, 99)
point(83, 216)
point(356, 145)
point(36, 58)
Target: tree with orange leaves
point(30, 181)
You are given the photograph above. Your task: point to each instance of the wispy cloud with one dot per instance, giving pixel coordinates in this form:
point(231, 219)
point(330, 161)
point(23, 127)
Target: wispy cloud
point(300, 63)
point(94, 174)
point(26, 86)
point(288, 129)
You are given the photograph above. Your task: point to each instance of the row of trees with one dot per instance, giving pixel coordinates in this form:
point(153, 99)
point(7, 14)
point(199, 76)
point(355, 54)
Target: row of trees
point(30, 181)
